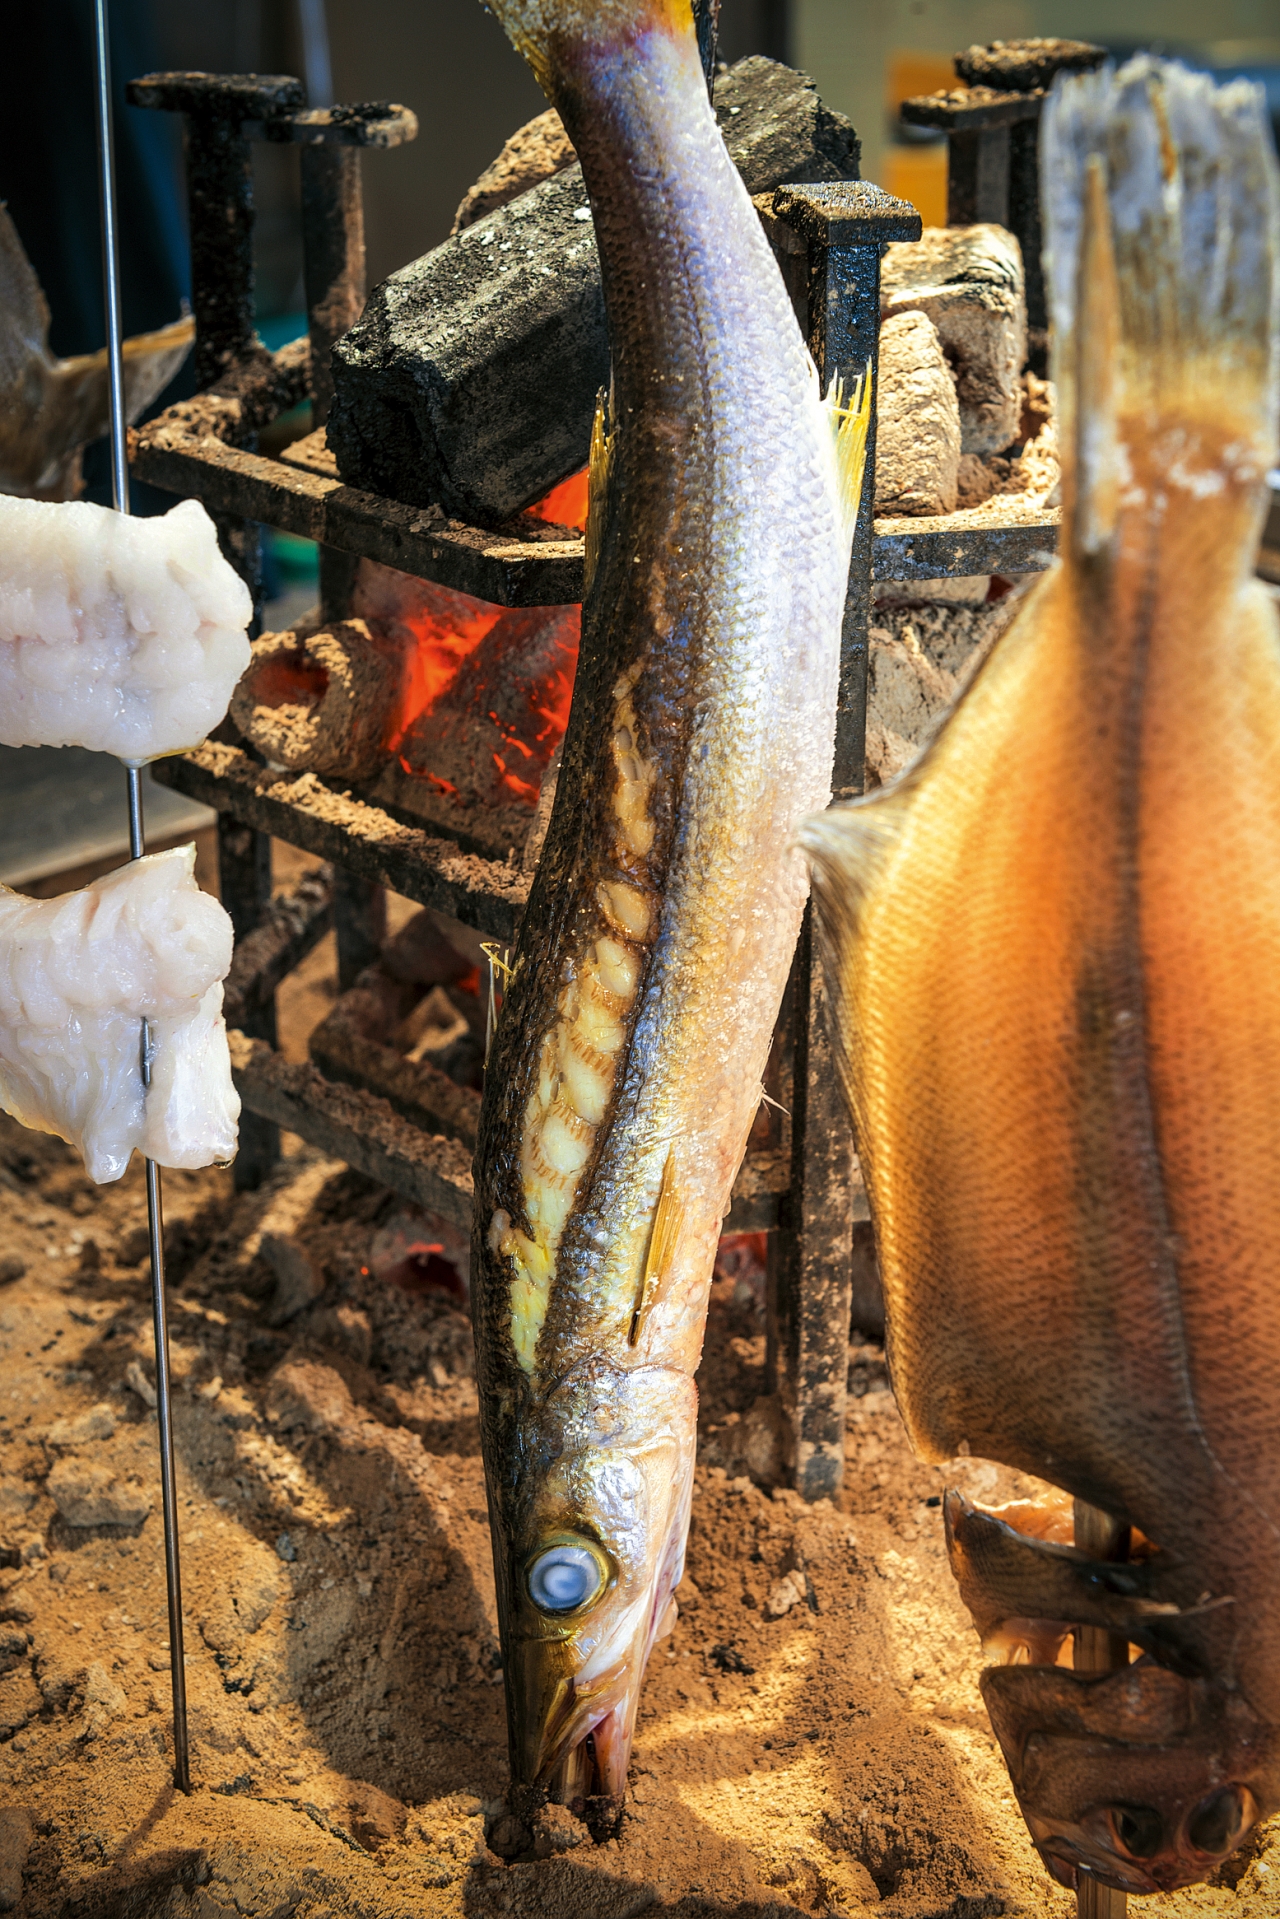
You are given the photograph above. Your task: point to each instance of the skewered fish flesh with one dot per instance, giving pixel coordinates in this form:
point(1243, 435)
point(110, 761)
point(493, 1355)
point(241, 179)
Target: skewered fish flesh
point(627, 1061)
point(78, 974)
point(1056, 951)
point(123, 635)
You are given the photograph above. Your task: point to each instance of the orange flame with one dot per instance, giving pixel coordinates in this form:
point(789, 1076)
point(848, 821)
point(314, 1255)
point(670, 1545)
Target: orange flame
point(444, 640)
point(446, 629)
point(566, 504)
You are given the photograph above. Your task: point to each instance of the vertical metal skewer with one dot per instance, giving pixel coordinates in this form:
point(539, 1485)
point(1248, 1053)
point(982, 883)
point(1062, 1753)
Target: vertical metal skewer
point(1102, 1537)
point(137, 843)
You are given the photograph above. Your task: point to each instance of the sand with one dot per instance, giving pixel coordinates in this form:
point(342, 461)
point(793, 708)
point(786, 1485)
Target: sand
point(811, 1739)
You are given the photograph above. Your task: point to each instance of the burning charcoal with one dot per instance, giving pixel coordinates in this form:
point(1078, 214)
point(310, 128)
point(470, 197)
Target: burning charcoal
point(432, 1027)
point(322, 698)
point(421, 1253)
point(471, 380)
point(491, 734)
point(969, 281)
point(918, 423)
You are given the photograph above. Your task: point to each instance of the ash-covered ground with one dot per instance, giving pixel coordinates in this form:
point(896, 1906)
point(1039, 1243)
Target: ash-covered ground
point(811, 1740)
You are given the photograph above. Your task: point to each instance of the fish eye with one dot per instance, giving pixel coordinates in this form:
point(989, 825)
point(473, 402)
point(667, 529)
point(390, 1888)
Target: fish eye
point(1139, 1830)
point(1218, 1823)
point(565, 1578)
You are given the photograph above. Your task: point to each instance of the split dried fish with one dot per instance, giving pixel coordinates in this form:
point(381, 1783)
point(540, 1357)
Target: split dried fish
point(1056, 949)
point(628, 1055)
point(51, 409)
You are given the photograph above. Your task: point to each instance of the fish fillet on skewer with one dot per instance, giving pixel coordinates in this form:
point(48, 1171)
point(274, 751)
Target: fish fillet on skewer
point(1056, 953)
point(627, 1060)
point(78, 974)
point(119, 634)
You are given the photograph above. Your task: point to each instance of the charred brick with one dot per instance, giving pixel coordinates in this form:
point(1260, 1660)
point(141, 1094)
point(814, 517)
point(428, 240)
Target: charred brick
point(471, 378)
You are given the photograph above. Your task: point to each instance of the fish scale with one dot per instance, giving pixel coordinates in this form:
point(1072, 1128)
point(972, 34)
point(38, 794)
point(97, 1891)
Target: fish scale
point(627, 1060)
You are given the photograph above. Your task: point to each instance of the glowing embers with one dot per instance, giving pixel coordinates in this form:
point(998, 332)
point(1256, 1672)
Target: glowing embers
point(486, 691)
point(483, 704)
point(566, 504)
point(490, 735)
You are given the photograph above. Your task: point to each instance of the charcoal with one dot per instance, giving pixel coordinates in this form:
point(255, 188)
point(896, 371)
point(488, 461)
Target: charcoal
point(471, 378)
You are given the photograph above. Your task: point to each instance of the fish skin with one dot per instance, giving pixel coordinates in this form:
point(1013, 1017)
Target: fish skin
point(627, 1059)
point(1056, 947)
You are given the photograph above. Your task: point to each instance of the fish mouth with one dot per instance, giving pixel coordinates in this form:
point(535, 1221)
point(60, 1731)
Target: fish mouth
point(1138, 1849)
point(571, 1731)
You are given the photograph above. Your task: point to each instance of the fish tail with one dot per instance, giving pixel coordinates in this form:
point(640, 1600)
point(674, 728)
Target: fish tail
point(541, 29)
point(1162, 218)
point(850, 422)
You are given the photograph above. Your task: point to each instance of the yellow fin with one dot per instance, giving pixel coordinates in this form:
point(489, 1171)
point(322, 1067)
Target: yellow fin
point(668, 1222)
point(599, 466)
point(849, 425)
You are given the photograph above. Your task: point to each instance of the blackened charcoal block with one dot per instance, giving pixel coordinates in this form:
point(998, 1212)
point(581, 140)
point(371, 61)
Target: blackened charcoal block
point(471, 378)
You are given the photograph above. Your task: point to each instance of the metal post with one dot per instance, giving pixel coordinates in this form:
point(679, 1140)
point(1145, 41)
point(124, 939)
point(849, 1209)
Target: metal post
point(137, 845)
point(993, 132)
point(1023, 221)
point(244, 882)
point(215, 110)
point(846, 227)
point(360, 922)
point(978, 176)
point(333, 258)
point(1098, 1651)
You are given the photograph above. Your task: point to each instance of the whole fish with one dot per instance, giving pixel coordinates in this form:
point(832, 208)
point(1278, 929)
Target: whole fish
point(1057, 943)
point(627, 1060)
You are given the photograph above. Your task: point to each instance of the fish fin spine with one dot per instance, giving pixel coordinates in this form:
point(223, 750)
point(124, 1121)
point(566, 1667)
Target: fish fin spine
point(850, 425)
point(599, 467)
point(1093, 475)
point(664, 1236)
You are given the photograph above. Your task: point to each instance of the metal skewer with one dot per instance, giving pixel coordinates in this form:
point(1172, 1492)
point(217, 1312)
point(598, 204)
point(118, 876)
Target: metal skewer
point(1096, 1650)
point(133, 774)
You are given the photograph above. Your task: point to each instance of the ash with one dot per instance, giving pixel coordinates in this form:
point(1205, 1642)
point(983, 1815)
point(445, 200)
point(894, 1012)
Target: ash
point(811, 1740)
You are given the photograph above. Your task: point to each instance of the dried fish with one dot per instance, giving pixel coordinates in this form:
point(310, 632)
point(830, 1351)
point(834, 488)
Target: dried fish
point(51, 409)
point(627, 1060)
point(1056, 948)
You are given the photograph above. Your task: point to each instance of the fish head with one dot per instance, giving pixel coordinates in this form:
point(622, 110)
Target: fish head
point(594, 1553)
point(1142, 1779)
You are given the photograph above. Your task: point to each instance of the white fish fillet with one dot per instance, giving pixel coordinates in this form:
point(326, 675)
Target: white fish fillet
point(77, 976)
point(119, 634)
